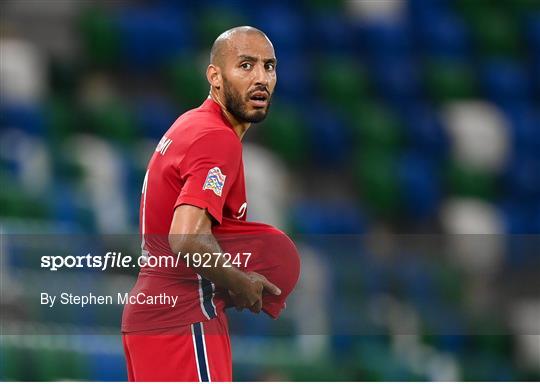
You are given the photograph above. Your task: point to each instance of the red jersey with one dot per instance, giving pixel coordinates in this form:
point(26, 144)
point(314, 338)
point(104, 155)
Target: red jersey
point(199, 162)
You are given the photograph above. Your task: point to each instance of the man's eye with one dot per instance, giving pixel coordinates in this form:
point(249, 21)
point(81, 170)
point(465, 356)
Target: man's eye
point(246, 65)
point(270, 66)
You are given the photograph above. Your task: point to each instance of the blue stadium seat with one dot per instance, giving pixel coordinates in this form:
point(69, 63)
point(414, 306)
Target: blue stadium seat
point(521, 178)
point(327, 217)
point(524, 121)
point(295, 80)
point(533, 39)
point(397, 78)
point(533, 33)
point(283, 24)
point(151, 36)
point(486, 366)
point(442, 33)
point(535, 73)
point(384, 38)
point(106, 367)
point(454, 343)
point(341, 344)
point(332, 33)
point(134, 172)
point(330, 138)
point(522, 217)
point(155, 116)
point(536, 218)
point(182, 5)
point(516, 216)
point(374, 276)
point(420, 186)
point(424, 132)
point(63, 203)
point(421, 9)
point(441, 319)
point(521, 251)
point(505, 80)
point(415, 277)
point(26, 117)
point(347, 322)
point(245, 324)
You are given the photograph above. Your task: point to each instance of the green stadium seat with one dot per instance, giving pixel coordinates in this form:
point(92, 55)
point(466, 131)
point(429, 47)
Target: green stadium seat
point(113, 119)
point(56, 360)
point(61, 117)
point(494, 340)
point(64, 77)
point(322, 371)
point(469, 182)
point(49, 364)
point(450, 80)
point(376, 177)
point(15, 203)
point(187, 81)
point(375, 361)
point(375, 127)
point(448, 281)
point(494, 24)
point(473, 9)
point(482, 366)
point(343, 82)
point(100, 37)
point(284, 132)
point(327, 5)
point(215, 20)
point(15, 363)
point(521, 7)
point(497, 33)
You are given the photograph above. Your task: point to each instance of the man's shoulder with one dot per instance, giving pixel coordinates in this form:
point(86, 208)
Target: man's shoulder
point(200, 122)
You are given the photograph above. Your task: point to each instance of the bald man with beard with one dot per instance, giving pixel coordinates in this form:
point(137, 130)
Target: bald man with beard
point(194, 206)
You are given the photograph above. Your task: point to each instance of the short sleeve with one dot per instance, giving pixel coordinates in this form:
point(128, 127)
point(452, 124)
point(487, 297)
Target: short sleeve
point(208, 171)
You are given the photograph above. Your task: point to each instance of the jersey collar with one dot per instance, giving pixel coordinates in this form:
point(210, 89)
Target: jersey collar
point(215, 107)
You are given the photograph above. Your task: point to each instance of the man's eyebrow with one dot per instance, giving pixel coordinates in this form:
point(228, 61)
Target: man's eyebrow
point(253, 58)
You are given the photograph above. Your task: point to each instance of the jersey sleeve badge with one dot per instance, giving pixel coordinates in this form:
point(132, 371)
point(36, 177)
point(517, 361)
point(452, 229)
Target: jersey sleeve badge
point(215, 180)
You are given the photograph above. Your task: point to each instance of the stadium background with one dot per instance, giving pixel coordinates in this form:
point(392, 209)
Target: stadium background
point(390, 117)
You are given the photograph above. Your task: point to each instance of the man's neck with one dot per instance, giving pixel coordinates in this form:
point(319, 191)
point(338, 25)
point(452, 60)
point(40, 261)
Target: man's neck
point(239, 128)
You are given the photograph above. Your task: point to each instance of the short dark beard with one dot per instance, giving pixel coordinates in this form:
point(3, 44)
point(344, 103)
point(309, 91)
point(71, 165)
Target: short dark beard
point(237, 107)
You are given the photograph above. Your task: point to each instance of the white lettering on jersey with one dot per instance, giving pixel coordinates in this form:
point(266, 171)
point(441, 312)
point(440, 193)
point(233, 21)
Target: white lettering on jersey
point(163, 145)
point(241, 211)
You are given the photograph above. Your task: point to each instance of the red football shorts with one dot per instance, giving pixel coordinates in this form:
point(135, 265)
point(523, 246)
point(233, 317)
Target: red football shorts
point(196, 352)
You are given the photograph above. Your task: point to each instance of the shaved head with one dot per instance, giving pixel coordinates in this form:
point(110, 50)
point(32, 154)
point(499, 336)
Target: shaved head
point(242, 73)
point(223, 43)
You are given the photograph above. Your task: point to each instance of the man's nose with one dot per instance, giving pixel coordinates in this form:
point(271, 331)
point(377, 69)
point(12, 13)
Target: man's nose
point(261, 76)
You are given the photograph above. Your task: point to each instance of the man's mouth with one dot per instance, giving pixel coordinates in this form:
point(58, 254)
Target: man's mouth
point(259, 99)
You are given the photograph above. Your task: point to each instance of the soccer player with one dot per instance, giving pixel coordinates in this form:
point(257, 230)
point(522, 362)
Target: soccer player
point(193, 203)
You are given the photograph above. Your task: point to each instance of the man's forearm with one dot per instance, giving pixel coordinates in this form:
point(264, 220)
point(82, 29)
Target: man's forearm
point(214, 268)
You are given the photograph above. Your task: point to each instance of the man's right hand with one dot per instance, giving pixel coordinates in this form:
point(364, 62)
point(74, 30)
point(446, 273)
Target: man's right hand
point(191, 232)
point(249, 294)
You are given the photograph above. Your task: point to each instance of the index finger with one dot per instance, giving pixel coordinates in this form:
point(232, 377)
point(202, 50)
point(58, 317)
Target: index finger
point(273, 289)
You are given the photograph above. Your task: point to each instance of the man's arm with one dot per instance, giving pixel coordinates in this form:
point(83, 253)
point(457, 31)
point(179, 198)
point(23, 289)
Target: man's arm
point(191, 232)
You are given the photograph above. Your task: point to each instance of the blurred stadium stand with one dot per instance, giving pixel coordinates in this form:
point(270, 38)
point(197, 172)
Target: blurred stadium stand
point(418, 117)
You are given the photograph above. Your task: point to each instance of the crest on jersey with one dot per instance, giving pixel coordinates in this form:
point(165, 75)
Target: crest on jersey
point(215, 180)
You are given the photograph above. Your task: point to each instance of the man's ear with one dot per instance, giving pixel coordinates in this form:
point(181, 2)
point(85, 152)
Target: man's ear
point(213, 75)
